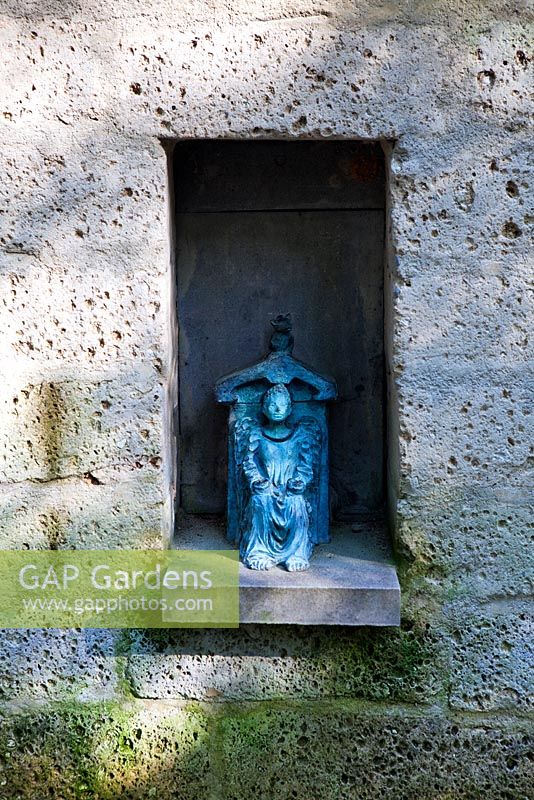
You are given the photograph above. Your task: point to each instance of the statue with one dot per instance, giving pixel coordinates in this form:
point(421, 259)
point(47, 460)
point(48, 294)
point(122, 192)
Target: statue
point(278, 457)
point(279, 464)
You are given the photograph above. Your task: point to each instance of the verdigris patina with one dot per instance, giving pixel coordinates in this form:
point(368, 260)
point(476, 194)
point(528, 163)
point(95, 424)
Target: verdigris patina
point(277, 456)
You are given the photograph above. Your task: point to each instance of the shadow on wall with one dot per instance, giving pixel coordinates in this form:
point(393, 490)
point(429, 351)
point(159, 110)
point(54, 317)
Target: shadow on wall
point(51, 415)
point(51, 419)
point(326, 751)
point(105, 751)
point(265, 662)
point(75, 481)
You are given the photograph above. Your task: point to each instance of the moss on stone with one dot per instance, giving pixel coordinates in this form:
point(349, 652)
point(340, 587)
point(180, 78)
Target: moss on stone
point(45, 751)
point(301, 750)
point(103, 751)
point(340, 750)
point(386, 664)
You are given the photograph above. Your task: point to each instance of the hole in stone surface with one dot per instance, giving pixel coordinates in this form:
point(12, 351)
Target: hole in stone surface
point(511, 189)
point(511, 230)
point(486, 78)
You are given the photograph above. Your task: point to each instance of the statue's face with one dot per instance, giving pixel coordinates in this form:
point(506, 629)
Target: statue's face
point(277, 407)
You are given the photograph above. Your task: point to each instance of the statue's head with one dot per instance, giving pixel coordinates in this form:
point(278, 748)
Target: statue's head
point(276, 403)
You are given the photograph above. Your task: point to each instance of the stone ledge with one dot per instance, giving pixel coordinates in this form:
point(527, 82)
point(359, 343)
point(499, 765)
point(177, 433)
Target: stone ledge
point(351, 581)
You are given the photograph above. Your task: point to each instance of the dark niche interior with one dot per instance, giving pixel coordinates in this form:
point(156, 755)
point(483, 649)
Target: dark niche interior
point(269, 227)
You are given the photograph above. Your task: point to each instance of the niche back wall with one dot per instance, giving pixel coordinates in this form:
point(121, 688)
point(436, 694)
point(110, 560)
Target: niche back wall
point(267, 227)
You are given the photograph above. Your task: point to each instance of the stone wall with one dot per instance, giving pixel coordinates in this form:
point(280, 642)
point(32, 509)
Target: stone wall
point(92, 96)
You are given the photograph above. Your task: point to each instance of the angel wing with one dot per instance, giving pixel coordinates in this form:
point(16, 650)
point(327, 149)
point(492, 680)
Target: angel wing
point(246, 435)
point(310, 441)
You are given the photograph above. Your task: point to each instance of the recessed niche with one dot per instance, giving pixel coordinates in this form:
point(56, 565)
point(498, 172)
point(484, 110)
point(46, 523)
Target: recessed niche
point(269, 227)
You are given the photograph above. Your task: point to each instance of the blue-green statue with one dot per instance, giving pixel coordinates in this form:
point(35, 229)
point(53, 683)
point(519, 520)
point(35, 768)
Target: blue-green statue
point(278, 457)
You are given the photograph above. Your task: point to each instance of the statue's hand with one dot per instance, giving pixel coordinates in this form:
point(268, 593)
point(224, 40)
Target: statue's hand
point(260, 484)
point(296, 485)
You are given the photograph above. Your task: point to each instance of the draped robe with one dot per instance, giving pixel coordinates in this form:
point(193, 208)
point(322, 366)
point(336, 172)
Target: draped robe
point(276, 518)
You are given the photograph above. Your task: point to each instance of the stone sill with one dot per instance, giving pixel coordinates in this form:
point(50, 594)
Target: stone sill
point(351, 581)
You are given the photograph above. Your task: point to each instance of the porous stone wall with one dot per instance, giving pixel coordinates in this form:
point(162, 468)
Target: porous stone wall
point(92, 97)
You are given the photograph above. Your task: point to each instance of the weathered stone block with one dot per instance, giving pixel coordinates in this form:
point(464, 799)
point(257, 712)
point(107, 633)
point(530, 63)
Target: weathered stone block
point(480, 540)
point(492, 654)
point(281, 662)
point(328, 752)
point(85, 256)
point(58, 664)
point(57, 430)
point(486, 427)
point(105, 751)
point(106, 509)
point(347, 752)
point(79, 322)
